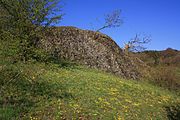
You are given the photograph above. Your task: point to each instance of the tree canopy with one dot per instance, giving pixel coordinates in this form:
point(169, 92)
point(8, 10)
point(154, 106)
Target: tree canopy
point(25, 21)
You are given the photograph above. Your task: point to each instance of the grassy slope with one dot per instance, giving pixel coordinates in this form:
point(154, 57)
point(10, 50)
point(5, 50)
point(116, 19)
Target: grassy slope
point(50, 92)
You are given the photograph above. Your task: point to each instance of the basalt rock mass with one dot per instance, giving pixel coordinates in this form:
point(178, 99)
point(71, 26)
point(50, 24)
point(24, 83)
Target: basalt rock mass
point(93, 49)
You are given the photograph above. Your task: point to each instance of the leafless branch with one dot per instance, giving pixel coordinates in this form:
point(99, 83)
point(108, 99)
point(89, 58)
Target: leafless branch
point(137, 43)
point(112, 20)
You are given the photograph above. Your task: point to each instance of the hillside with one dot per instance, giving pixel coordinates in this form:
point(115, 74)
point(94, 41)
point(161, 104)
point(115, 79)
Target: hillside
point(164, 57)
point(164, 67)
point(66, 91)
point(51, 72)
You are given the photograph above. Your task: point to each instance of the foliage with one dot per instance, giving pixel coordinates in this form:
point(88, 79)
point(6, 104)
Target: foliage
point(25, 21)
point(170, 57)
point(154, 57)
point(166, 77)
point(162, 68)
point(173, 112)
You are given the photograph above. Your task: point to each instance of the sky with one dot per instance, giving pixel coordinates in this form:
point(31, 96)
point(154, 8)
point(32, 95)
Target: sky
point(158, 18)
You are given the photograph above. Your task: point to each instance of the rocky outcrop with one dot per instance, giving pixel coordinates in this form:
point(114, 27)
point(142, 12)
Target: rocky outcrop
point(90, 48)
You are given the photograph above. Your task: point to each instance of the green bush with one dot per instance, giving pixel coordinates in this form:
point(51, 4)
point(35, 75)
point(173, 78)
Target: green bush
point(23, 24)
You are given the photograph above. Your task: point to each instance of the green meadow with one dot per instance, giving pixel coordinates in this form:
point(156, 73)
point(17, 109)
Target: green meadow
point(41, 91)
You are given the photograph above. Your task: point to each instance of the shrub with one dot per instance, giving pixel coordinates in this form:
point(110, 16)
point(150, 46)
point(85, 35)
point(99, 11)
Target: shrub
point(173, 112)
point(165, 77)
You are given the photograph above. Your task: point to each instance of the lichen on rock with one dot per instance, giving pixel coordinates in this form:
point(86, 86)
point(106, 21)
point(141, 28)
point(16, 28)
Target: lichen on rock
point(94, 49)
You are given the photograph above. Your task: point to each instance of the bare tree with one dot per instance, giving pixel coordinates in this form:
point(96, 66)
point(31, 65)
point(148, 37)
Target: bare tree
point(112, 20)
point(137, 43)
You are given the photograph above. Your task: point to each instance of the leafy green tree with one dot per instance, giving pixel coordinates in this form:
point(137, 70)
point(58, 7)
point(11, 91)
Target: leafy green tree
point(25, 21)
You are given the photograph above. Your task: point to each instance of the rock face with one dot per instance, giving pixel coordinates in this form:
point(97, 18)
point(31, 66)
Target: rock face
point(90, 48)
